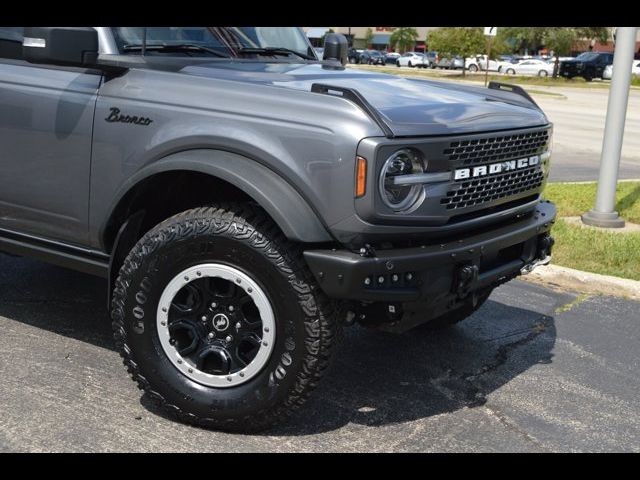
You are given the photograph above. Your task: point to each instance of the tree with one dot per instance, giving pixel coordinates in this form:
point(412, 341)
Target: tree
point(593, 33)
point(523, 39)
point(403, 38)
point(559, 40)
point(368, 37)
point(452, 41)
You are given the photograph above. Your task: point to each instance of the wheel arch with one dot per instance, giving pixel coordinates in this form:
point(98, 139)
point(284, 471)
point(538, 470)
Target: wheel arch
point(195, 178)
point(236, 175)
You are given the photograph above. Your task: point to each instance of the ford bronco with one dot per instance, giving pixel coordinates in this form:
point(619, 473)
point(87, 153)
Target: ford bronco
point(245, 199)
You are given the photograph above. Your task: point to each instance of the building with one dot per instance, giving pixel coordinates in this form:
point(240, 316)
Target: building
point(357, 36)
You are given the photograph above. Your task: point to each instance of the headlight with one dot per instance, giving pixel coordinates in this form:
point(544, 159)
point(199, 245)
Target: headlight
point(397, 195)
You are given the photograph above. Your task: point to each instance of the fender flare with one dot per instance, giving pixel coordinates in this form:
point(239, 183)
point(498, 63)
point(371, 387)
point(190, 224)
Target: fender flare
point(288, 208)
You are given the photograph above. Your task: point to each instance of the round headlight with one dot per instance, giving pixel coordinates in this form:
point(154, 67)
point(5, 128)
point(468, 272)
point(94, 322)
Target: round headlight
point(398, 195)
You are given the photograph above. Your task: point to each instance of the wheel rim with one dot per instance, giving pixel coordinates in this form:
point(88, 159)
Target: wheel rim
point(216, 325)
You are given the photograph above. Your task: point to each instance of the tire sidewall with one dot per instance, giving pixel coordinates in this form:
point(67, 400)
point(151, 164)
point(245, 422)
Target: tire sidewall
point(147, 282)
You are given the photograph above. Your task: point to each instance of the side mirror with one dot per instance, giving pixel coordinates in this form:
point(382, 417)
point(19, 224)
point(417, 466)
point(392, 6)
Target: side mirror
point(66, 46)
point(336, 47)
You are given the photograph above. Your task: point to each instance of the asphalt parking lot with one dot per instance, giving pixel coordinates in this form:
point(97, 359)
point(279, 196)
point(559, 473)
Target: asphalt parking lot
point(533, 370)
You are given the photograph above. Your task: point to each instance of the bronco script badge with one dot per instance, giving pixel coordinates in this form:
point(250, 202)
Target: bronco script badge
point(115, 116)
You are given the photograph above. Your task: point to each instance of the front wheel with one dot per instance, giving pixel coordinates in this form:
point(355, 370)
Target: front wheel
point(543, 73)
point(510, 71)
point(219, 320)
point(473, 68)
point(410, 66)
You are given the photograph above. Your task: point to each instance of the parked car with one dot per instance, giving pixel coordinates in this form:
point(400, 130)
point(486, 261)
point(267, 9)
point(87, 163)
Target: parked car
point(372, 57)
point(608, 70)
point(391, 57)
point(431, 59)
point(450, 63)
point(241, 214)
point(505, 61)
point(411, 59)
point(479, 62)
point(530, 67)
point(588, 65)
point(353, 55)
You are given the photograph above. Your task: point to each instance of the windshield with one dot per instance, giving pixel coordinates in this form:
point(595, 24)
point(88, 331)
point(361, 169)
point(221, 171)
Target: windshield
point(586, 56)
point(227, 41)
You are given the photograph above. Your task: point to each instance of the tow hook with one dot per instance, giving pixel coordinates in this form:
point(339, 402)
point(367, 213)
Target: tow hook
point(529, 267)
point(544, 252)
point(467, 276)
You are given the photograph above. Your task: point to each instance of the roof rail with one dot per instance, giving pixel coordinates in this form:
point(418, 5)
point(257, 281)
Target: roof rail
point(513, 89)
point(356, 97)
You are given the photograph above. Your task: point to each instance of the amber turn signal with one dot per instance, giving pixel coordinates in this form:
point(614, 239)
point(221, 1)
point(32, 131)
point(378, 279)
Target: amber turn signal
point(361, 176)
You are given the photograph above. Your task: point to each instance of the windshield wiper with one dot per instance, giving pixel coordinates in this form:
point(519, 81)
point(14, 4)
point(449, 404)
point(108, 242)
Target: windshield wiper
point(175, 47)
point(274, 51)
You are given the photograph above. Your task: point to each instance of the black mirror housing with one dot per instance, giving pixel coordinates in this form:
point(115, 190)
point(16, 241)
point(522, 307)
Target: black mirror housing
point(65, 46)
point(336, 47)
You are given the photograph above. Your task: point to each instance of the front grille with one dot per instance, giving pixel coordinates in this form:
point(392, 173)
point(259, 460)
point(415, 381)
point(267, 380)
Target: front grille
point(478, 191)
point(503, 147)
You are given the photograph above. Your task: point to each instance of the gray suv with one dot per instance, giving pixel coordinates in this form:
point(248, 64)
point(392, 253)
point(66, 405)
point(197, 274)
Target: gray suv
point(245, 200)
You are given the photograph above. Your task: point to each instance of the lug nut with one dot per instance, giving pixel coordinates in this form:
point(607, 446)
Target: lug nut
point(238, 326)
point(394, 277)
point(231, 308)
point(380, 279)
point(229, 338)
point(204, 318)
point(211, 335)
point(214, 304)
point(367, 281)
point(408, 276)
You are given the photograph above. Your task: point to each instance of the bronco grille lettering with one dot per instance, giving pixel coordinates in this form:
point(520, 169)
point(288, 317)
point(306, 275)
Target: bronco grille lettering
point(495, 168)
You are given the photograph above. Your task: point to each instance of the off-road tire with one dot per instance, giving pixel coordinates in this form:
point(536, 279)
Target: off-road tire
point(245, 238)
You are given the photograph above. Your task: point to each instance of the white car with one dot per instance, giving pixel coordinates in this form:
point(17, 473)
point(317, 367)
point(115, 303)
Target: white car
point(411, 59)
point(608, 70)
point(530, 67)
point(479, 62)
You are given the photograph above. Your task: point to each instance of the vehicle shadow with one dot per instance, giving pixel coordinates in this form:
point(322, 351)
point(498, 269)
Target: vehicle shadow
point(56, 299)
point(377, 378)
point(380, 378)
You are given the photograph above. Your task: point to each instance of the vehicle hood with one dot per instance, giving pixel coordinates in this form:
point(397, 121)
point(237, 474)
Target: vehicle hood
point(410, 107)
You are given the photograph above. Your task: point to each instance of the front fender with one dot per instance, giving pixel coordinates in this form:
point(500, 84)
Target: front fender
point(288, 208)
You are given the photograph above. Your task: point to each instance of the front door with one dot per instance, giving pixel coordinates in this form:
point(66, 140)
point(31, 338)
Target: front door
point(46, 122)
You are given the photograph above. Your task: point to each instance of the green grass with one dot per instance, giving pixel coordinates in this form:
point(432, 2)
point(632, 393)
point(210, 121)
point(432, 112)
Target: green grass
point(590, 249)
point(596, 251)
point(574, 199)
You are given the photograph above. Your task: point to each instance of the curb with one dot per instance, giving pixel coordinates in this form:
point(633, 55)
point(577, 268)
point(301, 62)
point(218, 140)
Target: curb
point(584, 282)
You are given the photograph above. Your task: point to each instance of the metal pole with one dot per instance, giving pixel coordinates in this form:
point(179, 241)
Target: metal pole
point(604, 215)
point(486, 73)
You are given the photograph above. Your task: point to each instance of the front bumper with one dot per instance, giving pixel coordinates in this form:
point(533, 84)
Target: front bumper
point(437, 273)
